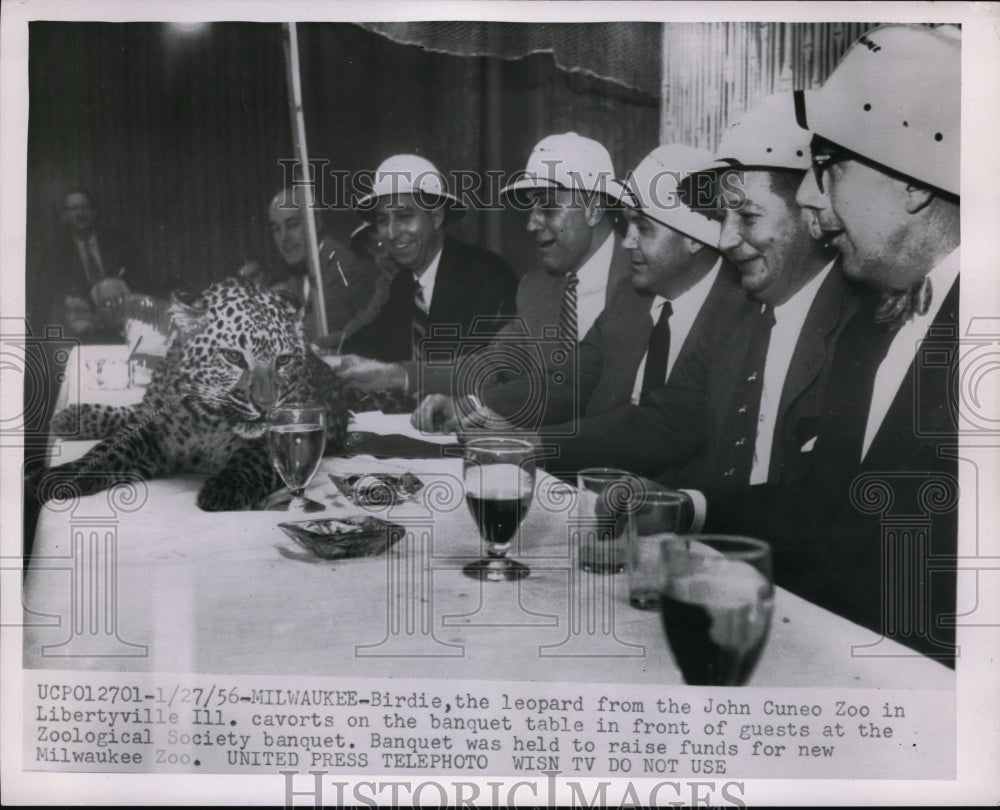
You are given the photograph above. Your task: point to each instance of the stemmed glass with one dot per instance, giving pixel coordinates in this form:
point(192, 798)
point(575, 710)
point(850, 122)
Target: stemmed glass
point(499, 475)
point(716, 602)
point(296, 438)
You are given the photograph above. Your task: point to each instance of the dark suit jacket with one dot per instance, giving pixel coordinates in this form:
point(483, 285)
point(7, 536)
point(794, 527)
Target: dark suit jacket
point(62, 274)
point(611, 352)
point(341, 302)
point(878, 547)
point(680, 429)
point(544, 390)
point(473, 285)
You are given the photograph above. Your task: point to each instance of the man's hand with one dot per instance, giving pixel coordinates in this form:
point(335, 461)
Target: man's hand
point(367, 374)
point(436, 414)
point(441, 414)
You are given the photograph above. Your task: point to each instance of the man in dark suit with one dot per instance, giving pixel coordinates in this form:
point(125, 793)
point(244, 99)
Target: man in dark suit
point(871, 531)
point(86, 268)
point(442, 283)
point(348, 279)
point(730, 411)
point(528, 374)
point(681, 286)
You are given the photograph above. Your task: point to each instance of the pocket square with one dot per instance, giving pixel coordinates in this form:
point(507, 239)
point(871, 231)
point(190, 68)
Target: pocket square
point(809, 445)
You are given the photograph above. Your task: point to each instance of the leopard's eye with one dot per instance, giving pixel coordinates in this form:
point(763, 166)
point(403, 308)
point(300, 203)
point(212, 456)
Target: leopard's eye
point(234, 356)
point(283, 360)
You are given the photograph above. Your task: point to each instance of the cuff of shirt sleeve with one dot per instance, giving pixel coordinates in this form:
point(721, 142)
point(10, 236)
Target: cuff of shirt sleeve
point(700, 509)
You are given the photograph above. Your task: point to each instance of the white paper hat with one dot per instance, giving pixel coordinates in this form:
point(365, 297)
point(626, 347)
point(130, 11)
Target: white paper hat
point(895, 98)
point(653, 187)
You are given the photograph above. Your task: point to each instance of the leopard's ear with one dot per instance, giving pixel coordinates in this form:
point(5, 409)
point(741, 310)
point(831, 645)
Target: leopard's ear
point(187, 313)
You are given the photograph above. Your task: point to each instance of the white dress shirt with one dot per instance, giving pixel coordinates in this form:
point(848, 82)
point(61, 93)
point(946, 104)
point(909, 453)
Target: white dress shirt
point(904, 346)
point(789, 318)
point(686, 307)
point(592, 286)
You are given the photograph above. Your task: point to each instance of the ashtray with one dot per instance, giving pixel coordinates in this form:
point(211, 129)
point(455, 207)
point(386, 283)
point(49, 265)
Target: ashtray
point(336, 538)
point(377, 489)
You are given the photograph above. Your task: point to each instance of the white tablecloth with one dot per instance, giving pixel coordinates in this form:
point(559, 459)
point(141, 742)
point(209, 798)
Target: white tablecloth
point(230, 593)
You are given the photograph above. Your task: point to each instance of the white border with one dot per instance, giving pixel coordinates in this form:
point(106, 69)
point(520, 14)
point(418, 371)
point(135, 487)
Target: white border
point(978, 713)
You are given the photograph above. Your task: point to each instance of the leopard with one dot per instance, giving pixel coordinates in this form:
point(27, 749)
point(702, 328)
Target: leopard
point(238, 349)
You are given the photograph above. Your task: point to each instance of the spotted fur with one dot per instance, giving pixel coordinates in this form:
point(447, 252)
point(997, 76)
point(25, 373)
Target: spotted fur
point(240, 350)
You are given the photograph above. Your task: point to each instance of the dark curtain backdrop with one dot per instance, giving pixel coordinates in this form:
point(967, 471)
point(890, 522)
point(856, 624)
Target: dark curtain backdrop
point(179, 134)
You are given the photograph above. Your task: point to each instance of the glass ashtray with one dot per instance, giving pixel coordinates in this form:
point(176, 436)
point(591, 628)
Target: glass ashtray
point(337, 538)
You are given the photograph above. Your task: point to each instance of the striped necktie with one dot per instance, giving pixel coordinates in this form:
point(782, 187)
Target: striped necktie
point(421, 318)
point(567, 314)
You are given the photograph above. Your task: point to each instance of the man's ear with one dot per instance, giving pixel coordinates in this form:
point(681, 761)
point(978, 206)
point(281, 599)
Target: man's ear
point(593, 209)
point(917, 198)
point(438, 213)
point(693, 246)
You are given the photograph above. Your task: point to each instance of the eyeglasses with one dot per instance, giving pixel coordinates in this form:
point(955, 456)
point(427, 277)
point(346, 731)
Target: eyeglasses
point(822, 162)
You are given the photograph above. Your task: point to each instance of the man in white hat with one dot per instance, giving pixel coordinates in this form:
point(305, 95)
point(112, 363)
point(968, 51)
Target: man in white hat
point(886, 154)
point(569, 192)
point(731, 415)
point(680, 288)
point(441, 282)
point(885, 190)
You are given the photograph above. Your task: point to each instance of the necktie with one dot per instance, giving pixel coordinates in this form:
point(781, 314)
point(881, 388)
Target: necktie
point(655, 374)
point(896, 307)
point(741, 432)
point(567, 315)
point(421, 318)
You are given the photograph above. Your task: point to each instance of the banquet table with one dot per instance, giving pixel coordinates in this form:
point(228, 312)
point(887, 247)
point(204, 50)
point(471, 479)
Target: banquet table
point(140, 579)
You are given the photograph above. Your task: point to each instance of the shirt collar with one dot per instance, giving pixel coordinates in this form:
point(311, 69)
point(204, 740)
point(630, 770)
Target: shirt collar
point(593, 275)
point(943, 276)
point(427, 278)
point(798, 305)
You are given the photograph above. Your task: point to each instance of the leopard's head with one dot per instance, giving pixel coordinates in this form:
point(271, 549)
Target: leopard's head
point(242, 350)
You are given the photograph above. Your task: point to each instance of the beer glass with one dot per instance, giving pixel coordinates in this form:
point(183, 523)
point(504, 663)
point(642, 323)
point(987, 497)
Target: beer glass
point(716, 601)
point(499, 476)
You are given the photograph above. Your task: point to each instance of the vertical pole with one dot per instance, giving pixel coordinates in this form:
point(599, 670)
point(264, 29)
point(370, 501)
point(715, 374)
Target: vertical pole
point(291, 41)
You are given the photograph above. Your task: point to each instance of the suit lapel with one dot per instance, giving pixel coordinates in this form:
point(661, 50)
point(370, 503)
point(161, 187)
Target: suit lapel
point(619, 273)
point(923, 409)
point(445, 284)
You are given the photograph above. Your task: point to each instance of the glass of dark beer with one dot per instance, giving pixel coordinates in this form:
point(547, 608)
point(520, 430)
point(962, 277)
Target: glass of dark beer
point(499, 475)
point(716, 601)
point(296, 438)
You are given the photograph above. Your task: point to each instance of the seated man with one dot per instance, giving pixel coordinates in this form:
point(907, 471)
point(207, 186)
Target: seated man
point(441, 282)
point(679, 290)
point(730, 412)
point(348, 280)
point(886, 189)
point(87, 271)
point(572, 199)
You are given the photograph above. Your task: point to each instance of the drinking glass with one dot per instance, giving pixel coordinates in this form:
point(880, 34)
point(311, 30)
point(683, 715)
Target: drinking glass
point(296, 437)
point(657, 515)
point(499, 475)
point(605, 497)
point(716, 601)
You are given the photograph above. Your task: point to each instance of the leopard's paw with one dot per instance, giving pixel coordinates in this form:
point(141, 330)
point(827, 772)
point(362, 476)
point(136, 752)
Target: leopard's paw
point(219, 495)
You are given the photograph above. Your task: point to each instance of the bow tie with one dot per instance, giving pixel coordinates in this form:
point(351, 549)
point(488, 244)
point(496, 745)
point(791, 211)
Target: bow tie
point(896, 307)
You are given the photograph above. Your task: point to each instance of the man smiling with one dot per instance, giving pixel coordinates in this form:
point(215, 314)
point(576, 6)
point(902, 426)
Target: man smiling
point(442, 282)
point(733, 412)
